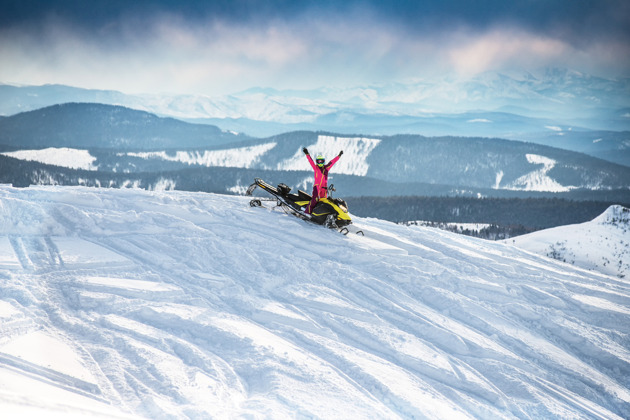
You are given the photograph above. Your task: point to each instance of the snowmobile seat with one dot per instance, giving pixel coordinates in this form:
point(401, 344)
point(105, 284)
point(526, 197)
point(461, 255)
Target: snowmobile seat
point(302, 196)
point(284, 189)
point(299, 197)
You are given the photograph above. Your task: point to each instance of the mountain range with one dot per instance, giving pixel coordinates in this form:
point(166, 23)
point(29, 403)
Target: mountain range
point(555, 107)
point(117, 139)
point(100, 145)
point(98, 126)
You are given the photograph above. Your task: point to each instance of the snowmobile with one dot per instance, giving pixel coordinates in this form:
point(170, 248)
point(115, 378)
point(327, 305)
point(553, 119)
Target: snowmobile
point(330, 212)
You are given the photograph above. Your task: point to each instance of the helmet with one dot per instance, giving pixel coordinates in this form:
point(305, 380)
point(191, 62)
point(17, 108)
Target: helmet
point(320, 160)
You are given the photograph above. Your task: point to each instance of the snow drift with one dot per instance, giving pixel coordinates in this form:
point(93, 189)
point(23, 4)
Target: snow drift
point(128, 303)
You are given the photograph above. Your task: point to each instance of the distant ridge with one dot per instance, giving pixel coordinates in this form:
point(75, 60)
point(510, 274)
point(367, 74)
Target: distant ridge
point(119, 139)
point(555, 107)
point(92, 125)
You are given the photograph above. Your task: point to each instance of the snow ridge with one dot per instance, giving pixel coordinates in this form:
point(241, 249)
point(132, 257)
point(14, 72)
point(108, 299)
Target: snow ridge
point(192, 305)
point(602, 244)
point(615, 215)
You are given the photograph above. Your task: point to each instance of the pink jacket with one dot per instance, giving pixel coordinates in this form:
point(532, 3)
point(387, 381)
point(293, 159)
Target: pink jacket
point(321, 176)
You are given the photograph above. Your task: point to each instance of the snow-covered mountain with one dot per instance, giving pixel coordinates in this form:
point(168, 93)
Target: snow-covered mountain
point(556, 107)
point(561, 92)
point(602, 244)
point(128, 303)
point(109, 138)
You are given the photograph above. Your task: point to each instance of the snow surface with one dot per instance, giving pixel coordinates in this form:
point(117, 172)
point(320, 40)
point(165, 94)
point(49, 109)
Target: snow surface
point(132, 303)
point(602, 244)
point(59, 156)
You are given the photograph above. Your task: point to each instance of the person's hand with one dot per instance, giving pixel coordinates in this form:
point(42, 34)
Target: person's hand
point(305, 150)
point(341, 153)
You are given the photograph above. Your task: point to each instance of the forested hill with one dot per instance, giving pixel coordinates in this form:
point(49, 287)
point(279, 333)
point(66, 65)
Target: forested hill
point(125, 140)
point(98, 126)
point(530, 213)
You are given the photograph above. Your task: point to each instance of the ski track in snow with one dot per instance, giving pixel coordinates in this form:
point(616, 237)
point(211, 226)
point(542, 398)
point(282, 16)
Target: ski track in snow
point(128, 303)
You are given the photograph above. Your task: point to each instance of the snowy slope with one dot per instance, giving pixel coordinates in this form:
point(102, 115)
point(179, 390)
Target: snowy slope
point(356, 152)
point(60, 156)
point(537, 180)
point(602, 244)
point(128, 303)
point(239, 157)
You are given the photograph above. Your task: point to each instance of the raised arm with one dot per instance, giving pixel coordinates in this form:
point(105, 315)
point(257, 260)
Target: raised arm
point(334, 160)
point(310, 159)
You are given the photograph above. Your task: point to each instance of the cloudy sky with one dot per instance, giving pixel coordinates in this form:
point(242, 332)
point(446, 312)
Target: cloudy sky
point(217, 47)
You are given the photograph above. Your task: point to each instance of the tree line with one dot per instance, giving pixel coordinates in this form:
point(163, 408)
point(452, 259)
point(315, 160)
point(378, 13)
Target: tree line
point(530, 213)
